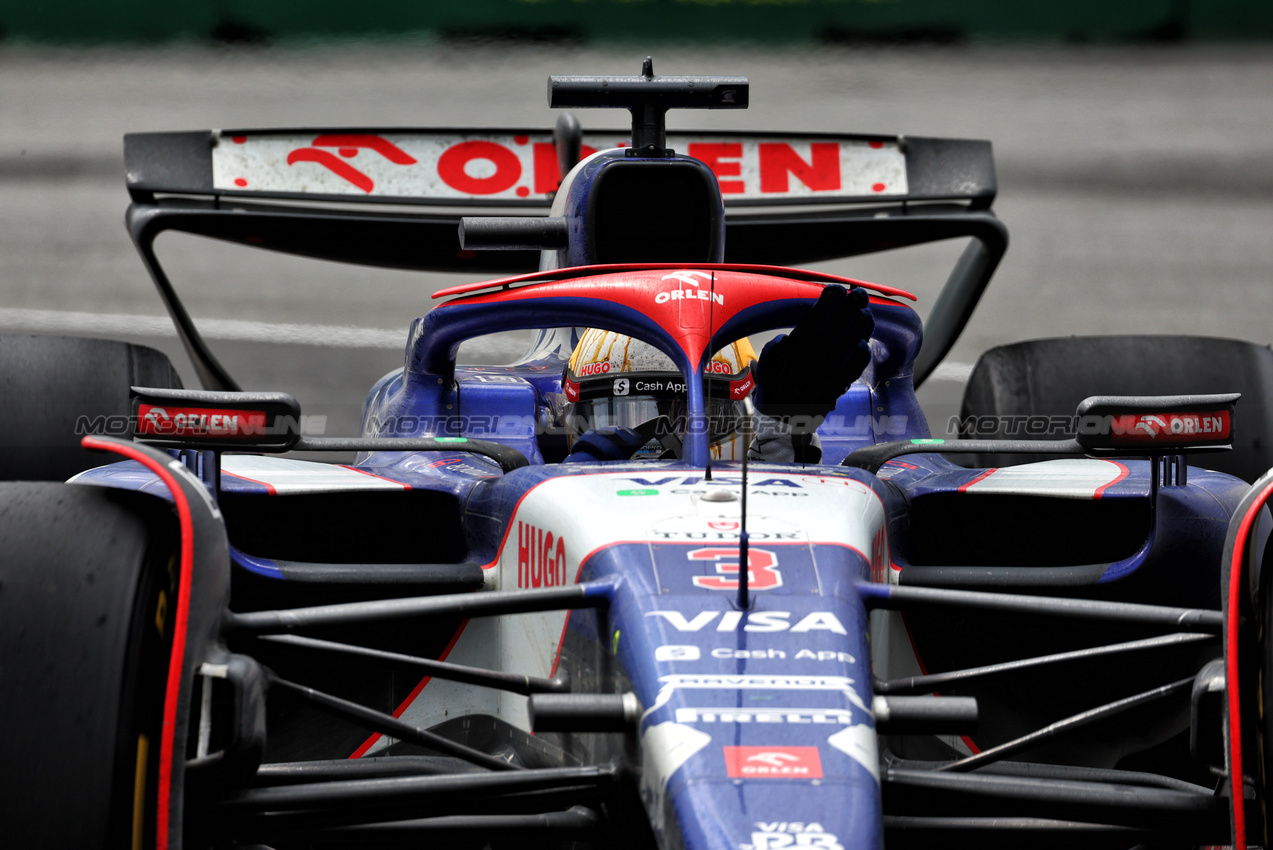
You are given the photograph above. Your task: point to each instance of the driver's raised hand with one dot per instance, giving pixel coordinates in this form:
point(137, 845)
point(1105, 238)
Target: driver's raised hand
point(801, 375)
point(606, 444)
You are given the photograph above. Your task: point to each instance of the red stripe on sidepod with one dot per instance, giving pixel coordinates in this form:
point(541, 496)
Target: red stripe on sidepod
point(415, 692)
point(177, 658)
point(982, 477)
point(268, 487)
point(374, 475)
point(1100, 491)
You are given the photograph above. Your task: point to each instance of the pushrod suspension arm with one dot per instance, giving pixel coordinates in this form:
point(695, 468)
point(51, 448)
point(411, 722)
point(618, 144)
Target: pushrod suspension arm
point(933, 681)
point(1069, 724)
point(484, 604)
point(513, 682)
point(1019, 796)
point(576, 823)
point(901, 597)
point(390, 791)
point(387, 724)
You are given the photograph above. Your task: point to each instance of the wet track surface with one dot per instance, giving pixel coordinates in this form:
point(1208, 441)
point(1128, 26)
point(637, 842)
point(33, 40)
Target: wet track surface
point(1137, 185)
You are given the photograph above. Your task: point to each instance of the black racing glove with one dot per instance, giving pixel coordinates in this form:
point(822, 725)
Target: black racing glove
point(605, 444)
point(801, 375)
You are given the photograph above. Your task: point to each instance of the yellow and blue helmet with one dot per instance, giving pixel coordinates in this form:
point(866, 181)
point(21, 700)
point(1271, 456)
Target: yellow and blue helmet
point(615, 380)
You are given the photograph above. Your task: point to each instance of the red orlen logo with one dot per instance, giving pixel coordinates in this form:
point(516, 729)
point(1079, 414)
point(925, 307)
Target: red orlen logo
point(198, 422)
point(773, 763)
point(1171, 427)
point(348, 145)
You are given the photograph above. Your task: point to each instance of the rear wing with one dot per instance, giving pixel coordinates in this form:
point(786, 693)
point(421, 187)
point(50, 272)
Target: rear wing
point(519, 168)
point(790, 199)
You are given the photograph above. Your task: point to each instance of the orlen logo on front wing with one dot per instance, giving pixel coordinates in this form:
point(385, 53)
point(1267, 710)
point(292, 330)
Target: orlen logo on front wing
point(773, 763)
point(199, 422)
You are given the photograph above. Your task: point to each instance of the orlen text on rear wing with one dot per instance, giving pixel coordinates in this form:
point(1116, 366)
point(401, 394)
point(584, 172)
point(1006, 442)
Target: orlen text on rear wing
point(515, 168)
point(872, 193)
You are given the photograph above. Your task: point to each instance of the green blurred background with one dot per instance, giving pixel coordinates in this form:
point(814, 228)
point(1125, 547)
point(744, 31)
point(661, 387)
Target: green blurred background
point(587, 21)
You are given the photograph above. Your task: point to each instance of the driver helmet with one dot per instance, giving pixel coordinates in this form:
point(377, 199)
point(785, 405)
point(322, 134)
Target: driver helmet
point(615, 380)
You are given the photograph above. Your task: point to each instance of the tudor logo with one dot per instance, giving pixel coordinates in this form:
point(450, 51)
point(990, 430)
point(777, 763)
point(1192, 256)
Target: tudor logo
point(723, 526)
point(773, 762)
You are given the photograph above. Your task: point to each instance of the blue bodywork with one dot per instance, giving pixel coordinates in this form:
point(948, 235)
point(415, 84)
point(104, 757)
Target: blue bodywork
point(758, 730)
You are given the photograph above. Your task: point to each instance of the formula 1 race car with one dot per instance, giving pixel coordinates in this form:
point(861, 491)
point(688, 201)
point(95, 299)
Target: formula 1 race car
point(468, 638)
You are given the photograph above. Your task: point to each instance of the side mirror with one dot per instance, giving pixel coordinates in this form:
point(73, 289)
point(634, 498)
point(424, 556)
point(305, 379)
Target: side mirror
point(198, 419)
point(1156, 424)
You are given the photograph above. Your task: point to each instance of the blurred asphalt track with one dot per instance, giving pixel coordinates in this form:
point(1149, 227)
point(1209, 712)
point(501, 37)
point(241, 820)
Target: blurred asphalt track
point(1137, 184)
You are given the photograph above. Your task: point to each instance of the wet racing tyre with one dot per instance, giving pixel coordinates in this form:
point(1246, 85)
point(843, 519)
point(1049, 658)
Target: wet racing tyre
point(58, 388)
point(1026, 390)
point(84, 645)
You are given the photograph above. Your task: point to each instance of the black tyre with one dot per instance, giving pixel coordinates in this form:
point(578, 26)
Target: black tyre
point(1048, 378)
point(85, 637)
point(55, 389)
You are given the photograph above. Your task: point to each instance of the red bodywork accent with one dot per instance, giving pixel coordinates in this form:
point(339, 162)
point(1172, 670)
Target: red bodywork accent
point(963, 488)
point(1123, 473)
point(733, 290)
point(415, 692)
point(177, 658)
point(590, 271)
point(1231, 669)
point(269, 488)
